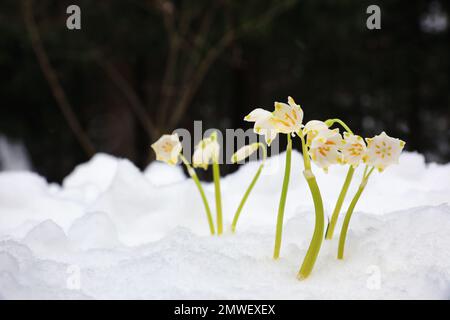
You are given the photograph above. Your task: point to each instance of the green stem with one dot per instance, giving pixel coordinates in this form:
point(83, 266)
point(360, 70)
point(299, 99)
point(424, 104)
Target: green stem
point(343, 193)
point(316, 241)
point(330, 122)
point(340, 201)
point(249, 189)
point(344, 229)
point(194, 177)
point(216, 175)
point(349, 213)
point(244, 198)
point(282, 204)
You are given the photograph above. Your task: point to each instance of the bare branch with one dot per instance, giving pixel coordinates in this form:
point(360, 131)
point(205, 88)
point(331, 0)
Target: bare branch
point(167, 86)
point(195, 75)
point(198, 77)
point(52, 79)
point(130, 94)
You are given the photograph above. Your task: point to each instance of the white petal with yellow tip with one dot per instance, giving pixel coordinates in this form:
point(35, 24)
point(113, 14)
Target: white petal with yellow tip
point(244, 152)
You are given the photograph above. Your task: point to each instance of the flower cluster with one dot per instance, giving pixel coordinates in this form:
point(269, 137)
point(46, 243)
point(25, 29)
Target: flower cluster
point(327, 147)
point(324, 146)
point(320, 144)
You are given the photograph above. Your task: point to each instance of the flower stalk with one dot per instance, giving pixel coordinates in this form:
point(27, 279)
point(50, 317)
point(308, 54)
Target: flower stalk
point(330, 122)
point(348, 179)
point(316, 241)
point(340, 201)
point(282, 204)
point(250, 188)
point(194, 177)
point(216, 176)
point(350, 210)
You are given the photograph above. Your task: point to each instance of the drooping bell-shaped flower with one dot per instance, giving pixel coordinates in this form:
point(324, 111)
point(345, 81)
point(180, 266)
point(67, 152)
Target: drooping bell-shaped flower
point(287, 118)
point(312, 128)
point(167, 148)
point(324, 148)
point(206, 151)
point(353, 149)
point(383, 151)
point(263, 124)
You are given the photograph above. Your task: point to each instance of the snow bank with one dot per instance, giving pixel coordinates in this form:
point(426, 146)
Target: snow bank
point(112, 231)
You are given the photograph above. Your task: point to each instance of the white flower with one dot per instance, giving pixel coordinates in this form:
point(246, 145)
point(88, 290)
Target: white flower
point(206, 151)
point(244, 152)
point(324, 148)
point(353, 149)
point(167, 148)
point(287, 118)
point(383, 150)
point(263, 124)
point(312, 128)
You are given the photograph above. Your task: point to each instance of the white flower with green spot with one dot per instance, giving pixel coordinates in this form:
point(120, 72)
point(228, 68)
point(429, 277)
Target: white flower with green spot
point(383, 151)
point(168, 148)
point(312, 128)
point(263, 124)
point(325, 148)
point(353, 150)
point(287, 117)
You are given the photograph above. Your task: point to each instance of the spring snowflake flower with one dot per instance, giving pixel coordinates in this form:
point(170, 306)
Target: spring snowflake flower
point(353, 149)
point(206, 151)
point(287, 118)
point(168, 148)
point(264, 125)
point(312, 128)
point(324, 148)
point(383, 151)
point(244, 152)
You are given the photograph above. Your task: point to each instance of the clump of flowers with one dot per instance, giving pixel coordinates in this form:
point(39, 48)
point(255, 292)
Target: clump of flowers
point(168, 149)
point(321, 144)
point(287, 119)
point(380, 152)
point(325, 147)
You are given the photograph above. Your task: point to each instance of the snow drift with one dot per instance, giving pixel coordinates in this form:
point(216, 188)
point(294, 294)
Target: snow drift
point(112, 231)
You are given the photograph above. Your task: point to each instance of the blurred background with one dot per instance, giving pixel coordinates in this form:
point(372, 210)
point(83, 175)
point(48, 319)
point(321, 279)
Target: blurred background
point(138, 69)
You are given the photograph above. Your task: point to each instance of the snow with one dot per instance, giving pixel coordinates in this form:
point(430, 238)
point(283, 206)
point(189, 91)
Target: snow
point(112, 231)
point(13, 155)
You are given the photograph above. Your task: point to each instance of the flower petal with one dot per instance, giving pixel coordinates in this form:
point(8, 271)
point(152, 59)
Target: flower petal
point(257, 114)
point(244, 152)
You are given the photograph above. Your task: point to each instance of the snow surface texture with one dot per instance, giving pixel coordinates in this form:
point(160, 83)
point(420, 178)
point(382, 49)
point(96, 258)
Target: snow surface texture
point(111, 231)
